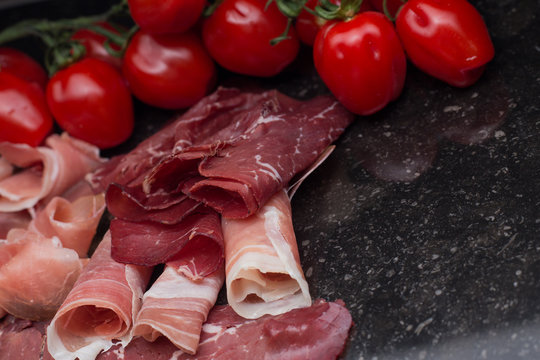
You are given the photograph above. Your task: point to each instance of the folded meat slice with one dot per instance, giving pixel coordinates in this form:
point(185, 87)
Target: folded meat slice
point(176, 307)
point(11, 220)
point(36, 274)
point(263, 271)
point(100, 309)
point(318, 332)
point(248, 154)
point(73, 223)
point(194, 245)
point(43, 172)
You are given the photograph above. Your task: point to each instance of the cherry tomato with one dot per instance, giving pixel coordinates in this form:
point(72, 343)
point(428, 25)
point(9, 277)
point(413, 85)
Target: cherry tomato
point(166, 16)
point(91, 101)
point(238, 33)
point(308, 25)
point(170, 71)
point(24, 116)
point(361, 61)
point(95, 44)
point(392, 5)
point(446, 39)
point(23, 66)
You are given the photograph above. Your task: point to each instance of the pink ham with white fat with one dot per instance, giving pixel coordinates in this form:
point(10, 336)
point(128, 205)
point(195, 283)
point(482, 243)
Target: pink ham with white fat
point(100, 309)
point(176, 307)
point(36, 274)
point(263, 271)
point(43, 172)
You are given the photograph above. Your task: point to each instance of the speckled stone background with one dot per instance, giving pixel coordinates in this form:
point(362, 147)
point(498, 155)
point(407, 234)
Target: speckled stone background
point(426, 218)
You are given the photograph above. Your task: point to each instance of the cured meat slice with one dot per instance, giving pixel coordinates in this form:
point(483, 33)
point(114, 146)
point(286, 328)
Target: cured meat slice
point(245, 156)
point(132, 204)
point(176, 307)
point(22, 339)
point(263, 271)
point(36, 274)
point(73, 223)
point(200, 122)
point(100, 309)
point(194, 245)
point(45, 171)
point(318, 332)
point(11, 220)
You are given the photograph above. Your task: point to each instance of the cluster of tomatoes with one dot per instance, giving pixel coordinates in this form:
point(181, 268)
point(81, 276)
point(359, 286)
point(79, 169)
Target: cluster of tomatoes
point(360, 50)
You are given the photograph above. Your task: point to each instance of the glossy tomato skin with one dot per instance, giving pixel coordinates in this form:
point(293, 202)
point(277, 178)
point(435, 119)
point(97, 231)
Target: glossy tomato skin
point(446, 39)
point(308, 25)
point(170, 71)
point(361, 61)
point(91, 101)
point(238, 33)
point(24, 116)
point(166, 16)
point(22, 66)
point(94, 44)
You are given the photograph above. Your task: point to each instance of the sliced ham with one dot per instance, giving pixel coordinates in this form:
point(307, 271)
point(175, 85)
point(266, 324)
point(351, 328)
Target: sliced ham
point(263, 271)
point(176, 307)
point(45, 171)
point(245, 155)
point(11, 220)
point(318, 332)
point(36, 274)
point(73, 223)
point(100, 309)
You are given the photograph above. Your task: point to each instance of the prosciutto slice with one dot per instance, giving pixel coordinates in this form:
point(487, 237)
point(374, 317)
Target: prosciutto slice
point(73, 223)
point(318, 332)
point(100, 309)
point(267, 140)
point(45, 171)
point(36, 274)
point(176, 307)
point(263, 271)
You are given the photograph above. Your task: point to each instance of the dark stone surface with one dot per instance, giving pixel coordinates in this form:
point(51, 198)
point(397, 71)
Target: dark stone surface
point(425, 219)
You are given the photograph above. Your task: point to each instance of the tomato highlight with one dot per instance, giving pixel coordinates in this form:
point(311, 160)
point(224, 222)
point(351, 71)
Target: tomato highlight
point(170, 71)
point(446, 39)
point(361, 61)
point(238, 35)
point(91, 101)
point(24, 116)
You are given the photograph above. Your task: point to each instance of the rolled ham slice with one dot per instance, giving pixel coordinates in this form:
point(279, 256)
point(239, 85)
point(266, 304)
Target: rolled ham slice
point(36, 274)
point(176, 307)
point(46, 171)
point(100, 309)
point(263, 271)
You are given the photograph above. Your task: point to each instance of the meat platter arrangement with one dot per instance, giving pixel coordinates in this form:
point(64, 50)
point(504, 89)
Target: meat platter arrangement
point(115, 253)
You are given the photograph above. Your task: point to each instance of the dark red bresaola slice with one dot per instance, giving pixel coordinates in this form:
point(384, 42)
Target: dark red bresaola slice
point(265, 144)
point(194, 246)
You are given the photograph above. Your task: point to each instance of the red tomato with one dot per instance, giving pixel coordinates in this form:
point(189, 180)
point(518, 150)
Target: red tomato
point(238, 33)
point(24, 116)
point(392, 5)
point(446, 39)
point(170, 71)
point(166, 16)
point(23, 66)
point(95, 44)
point(91, 101)
point(308, 25)
point(361, 61)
